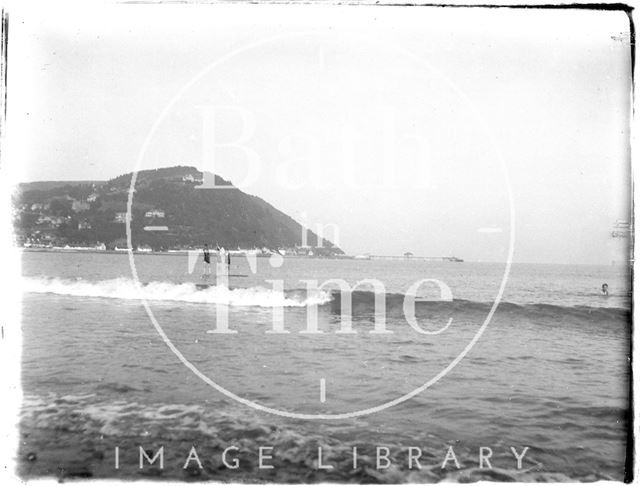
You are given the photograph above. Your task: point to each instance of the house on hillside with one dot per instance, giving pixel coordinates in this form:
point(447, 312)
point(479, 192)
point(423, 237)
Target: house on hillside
point(92, 197)
point(301, 250)
point(44, 237)
point(77, 206)
point(156, 228)
point(120, 217)
point(191, 178)
point(50, 221)
point(154, 213)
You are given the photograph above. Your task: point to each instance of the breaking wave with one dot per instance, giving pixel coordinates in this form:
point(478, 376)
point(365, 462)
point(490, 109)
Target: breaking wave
point(362, 302)
point(535, 311)
point(127, 289)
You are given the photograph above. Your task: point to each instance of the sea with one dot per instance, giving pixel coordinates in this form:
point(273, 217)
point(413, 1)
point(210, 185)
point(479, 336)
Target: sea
point(473, 373)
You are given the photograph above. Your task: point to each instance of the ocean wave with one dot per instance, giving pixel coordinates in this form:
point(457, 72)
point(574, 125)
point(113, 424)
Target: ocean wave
point(127, 289)
point(362, 302)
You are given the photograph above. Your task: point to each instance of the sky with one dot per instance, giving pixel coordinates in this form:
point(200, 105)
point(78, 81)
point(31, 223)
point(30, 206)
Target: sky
point(430, 130)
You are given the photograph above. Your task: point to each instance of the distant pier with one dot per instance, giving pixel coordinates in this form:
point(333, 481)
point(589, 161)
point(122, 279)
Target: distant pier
point(410, 258)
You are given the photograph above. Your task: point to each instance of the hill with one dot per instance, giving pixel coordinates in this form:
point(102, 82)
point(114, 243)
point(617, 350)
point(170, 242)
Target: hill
point(169, 210)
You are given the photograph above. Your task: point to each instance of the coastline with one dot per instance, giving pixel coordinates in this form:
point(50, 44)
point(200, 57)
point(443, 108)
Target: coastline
point(451, 259)
point(162, 253)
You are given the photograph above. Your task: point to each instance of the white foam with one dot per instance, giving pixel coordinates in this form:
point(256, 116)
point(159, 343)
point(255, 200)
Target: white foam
point(127, 289)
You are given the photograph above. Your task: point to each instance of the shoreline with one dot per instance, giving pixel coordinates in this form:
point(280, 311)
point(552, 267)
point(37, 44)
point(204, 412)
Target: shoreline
point(259, 255)
point(163, 253)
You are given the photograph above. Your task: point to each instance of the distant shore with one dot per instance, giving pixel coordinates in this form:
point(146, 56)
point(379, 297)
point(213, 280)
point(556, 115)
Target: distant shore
point(164, 253)
point(452, 259)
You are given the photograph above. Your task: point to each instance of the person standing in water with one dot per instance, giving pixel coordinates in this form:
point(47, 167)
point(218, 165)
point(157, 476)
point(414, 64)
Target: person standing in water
point(206, 271)
point(222, 271)
point(605, 289)
point(223, 259)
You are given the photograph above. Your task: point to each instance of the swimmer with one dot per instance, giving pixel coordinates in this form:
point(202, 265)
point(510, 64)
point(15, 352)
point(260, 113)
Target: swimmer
point(605, 289)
